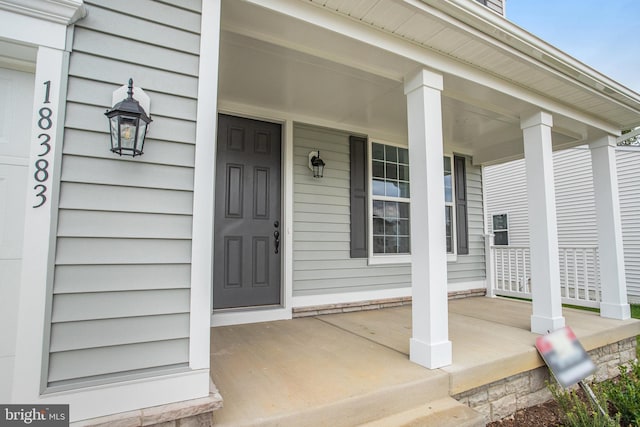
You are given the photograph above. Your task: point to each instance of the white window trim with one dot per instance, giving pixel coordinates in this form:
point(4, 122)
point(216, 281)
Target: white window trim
point(452, 256)
point(381, 259)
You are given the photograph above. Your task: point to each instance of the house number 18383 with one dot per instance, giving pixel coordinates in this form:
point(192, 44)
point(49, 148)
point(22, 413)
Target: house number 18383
point(41, 174)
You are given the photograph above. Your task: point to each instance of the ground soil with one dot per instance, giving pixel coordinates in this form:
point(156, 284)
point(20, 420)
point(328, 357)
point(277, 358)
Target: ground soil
point(545, 415)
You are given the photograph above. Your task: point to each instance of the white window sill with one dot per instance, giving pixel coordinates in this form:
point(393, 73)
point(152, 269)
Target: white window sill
point(452, 257)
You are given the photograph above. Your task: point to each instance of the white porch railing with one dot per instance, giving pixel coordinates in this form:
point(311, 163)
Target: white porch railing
point(509, 273)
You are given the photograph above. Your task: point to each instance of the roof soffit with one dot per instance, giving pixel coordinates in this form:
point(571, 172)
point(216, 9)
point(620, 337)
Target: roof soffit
point(464, 30)
point(536, 50)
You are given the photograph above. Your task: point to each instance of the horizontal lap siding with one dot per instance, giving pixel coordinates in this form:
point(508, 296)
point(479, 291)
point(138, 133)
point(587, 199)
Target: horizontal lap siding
point(496, 5)
point(321, 250)
point(628, 163)
point(122, 276)
point(471, 267)
point(506, 187)
point(506, 192)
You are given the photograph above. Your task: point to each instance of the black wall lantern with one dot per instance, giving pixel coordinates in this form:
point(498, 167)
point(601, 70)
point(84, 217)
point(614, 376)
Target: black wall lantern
point(128, 124)
point(316, 164)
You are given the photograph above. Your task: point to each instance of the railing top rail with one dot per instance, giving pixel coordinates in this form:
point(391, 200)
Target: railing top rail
point(559, 247)
point(508, 247)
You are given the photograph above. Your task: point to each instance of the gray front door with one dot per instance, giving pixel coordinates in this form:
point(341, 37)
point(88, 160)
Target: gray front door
point(247, 214)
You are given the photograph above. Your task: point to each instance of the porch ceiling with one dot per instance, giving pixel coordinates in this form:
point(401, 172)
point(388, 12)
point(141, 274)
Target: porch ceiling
point(272, 63)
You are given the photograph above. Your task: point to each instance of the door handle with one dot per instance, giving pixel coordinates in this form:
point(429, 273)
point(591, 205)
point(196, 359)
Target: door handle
point(276, 234)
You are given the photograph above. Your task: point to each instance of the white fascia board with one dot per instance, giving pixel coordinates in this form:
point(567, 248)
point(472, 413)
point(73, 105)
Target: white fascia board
point(64, 12)
point(500, 28)
point(375, 37)
point(32, 31)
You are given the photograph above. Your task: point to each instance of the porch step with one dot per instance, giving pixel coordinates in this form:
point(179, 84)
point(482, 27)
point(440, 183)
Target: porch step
point(445, 412)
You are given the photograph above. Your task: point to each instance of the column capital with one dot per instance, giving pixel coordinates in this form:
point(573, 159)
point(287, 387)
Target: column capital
point(423, 78)
point(536, 119)
point(606, 141)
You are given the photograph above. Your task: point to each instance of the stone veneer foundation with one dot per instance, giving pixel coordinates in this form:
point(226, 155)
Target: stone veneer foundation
point(191, 413)
point(503, 398)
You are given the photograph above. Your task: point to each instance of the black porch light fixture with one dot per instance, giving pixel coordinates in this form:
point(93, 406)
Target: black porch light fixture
point(316, 164)
point(128, 125)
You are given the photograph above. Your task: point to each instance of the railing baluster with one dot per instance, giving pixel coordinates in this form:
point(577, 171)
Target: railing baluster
point(502, 270)
point(585, 275)
point(575, 274)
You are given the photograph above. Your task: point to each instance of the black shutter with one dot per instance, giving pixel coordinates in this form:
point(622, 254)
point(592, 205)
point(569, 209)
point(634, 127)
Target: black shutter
point(358, 193)
point(462, 228)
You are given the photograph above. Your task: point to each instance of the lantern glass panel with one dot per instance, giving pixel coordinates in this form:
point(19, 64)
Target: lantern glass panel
point(142, 131)
point(114, 133)
point(128, 127)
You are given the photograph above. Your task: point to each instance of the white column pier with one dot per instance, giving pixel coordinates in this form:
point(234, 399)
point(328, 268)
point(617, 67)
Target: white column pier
point(430, 345)
point(543, 228)
point(612, 275)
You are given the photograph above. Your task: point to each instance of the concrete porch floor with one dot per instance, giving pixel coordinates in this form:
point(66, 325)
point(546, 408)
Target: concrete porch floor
point(353, 368)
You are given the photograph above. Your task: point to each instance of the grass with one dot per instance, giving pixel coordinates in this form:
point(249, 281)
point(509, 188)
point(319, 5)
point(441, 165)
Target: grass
point(635, 313)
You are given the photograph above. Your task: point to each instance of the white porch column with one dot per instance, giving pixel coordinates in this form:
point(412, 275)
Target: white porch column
point(543, 228)
point(430, 345)
point(612, 276)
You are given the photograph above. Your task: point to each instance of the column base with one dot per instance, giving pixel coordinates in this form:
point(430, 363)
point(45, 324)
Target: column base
point(615, 311)
point(544, 325)
point(430, 356)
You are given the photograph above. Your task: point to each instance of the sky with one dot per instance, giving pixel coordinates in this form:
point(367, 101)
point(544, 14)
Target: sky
point(604, 34)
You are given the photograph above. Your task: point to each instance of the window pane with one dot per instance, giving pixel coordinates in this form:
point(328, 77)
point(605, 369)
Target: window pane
point(378, 187)
point(403, 210)
point(377, 169)
point(378, 226)
point(391, 227)
point(448, 181)
point(501, 238)
point(447, 165)
point(391, 245)
point(403, 156)
point(403, 173)
point(449, 221)
point(391, 189)
point(378, 209)
point(404, 189)
point(391, 209)
point(392, 171)
point(391, 153)
point(403, 227)
point(403, 245)
point(378, 244)
point(377, 151)
point(500, 222)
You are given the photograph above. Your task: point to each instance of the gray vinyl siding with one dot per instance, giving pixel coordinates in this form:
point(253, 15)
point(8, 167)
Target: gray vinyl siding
point(506, 192)
point(121, 294)
point(505, 186)
point(321, 250)
point(496, 6)
point(471, 267)
point(628, 162)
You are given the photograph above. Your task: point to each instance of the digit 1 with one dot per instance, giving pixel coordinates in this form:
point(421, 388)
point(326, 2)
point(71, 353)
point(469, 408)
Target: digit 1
point(47, 84)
